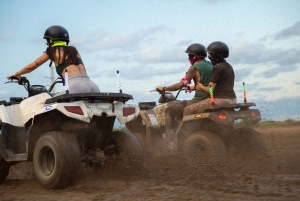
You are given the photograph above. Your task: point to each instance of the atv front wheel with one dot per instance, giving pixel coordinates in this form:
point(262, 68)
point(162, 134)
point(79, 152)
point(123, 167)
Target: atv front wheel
point(204, 149)
point(56, 159)
point(4, 169)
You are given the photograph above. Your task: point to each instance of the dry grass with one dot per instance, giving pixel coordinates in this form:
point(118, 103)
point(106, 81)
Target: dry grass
point(270, 124)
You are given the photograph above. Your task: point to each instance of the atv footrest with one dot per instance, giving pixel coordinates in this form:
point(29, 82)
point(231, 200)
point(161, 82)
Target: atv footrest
point(12, 157)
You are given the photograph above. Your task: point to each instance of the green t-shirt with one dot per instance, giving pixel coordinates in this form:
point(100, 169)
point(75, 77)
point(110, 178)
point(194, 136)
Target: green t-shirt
point(205, 68)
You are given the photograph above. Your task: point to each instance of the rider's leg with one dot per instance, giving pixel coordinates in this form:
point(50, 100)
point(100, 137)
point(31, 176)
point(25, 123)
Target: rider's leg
point(174, 110)
point(80, 84)
point(201, 106)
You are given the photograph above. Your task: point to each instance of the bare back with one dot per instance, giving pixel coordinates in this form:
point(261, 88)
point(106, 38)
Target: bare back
point(72, 68)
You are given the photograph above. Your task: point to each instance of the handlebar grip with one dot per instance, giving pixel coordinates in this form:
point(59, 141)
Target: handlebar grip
point(21, 81)
point(13, 78)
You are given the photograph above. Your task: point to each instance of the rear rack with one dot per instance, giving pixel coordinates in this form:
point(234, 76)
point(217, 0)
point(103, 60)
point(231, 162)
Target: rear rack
point(91, 97)
point(241, 106)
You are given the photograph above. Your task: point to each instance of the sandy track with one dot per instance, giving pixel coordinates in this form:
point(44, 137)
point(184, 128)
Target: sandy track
point(278, 180)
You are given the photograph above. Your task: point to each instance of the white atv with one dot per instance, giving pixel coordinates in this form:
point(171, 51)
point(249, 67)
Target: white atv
point(58, 133)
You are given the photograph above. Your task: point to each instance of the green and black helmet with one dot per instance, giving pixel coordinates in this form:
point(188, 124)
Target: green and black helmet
point(196, 49)
point(56, 33)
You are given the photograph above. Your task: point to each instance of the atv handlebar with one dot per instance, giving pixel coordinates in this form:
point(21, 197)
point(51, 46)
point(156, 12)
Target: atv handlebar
point(58, 80)
point(34, 89)
point(167, 96)
point(20, 82)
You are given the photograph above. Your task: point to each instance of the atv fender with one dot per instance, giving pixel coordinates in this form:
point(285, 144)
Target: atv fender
point(30, 106)
point(15, 119)
point(61, 107)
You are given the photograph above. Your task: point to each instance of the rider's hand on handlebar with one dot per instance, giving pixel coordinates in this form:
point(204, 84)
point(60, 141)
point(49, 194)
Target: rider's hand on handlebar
point(160, 89)
point(189, 88)
point(11, 77)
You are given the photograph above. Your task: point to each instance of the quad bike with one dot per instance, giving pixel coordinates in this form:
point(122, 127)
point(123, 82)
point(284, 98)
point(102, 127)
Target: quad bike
point(57, 133)
point(207, 138)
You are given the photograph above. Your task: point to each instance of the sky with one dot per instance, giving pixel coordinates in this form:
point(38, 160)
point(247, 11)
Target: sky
point(146, 42)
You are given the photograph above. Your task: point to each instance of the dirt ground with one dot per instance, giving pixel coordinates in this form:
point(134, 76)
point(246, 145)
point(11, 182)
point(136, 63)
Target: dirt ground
point(278, 180)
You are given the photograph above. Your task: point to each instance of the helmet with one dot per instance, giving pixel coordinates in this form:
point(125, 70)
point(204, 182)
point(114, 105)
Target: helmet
point(197, 50)
point(56, 33)
point(218, 48)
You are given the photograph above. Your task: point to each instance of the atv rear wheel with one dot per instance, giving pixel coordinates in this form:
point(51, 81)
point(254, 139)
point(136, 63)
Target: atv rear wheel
point(124, 150)
point(56, 159)
point(4, 169)
point(247, 149)
point(204, 149)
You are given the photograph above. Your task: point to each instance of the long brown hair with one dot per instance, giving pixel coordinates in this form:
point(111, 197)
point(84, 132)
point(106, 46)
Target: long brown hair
point(69, 52)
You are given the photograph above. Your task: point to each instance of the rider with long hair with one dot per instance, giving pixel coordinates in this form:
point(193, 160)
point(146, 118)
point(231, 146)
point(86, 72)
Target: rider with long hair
point(67, 61)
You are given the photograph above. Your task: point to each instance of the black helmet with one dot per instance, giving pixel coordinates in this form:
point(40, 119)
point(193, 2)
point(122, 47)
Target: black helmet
point(57, 33)
point(218, 48)
point(197, 50)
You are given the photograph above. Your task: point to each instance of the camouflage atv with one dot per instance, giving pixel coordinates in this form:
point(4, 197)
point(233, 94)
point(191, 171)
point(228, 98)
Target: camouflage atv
point(58, 133)
point(202, 139)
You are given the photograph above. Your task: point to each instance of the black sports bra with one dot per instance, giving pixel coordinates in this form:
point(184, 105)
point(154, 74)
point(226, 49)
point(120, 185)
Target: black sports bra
point(61, 67)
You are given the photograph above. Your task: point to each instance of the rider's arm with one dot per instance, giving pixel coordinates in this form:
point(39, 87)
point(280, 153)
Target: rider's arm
point(32, 66)
point(199, 86)
point(190, 74)
point(174, 87)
